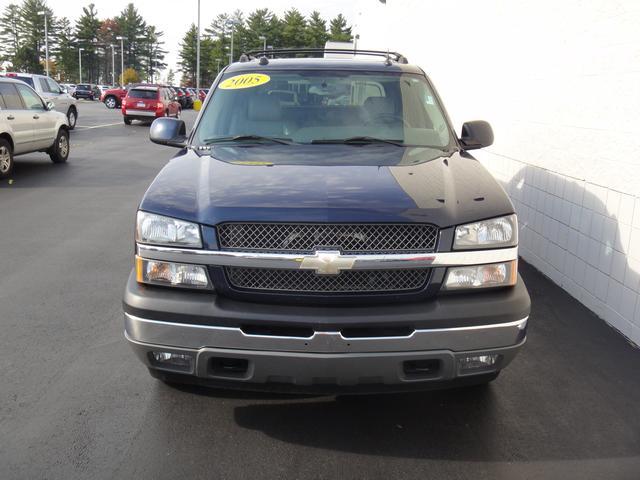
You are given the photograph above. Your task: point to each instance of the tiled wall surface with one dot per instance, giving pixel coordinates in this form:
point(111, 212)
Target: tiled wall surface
point(583, 236)
point(560, 84)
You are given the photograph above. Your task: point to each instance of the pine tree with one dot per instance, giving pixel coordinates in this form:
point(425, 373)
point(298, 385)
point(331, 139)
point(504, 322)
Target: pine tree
point(339, 32)
point(187, 56)
point(317, 34)
point(294, 29)
point(31, 53)
point(66, 52)
point(87, 28)
point(10, 38)
point(133, 27)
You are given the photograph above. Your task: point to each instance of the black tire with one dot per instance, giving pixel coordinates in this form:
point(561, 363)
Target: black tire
point(127, 121)
point(111, 102)
point(179, 113)
point(59, 152)
point(72, 117)
point(6, 158)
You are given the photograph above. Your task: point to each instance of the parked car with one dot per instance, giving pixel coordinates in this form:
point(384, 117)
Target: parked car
point(86, 91)
point(181, 97)
point(69, 87)
point(146, 102)
point(202, 94)
point(112, 97)
point(29, 124)
point(341, 240)
point(51, 91)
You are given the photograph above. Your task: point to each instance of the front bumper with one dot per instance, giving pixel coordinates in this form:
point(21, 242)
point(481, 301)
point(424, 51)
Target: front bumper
point(328, 348)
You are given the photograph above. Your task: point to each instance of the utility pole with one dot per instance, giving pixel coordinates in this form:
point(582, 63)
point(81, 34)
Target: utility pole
point(198, 52)
point(113, 64)
point(218, 60)
point(264, 42)
point(46, 40)
point(80, 63)
point(121, 38)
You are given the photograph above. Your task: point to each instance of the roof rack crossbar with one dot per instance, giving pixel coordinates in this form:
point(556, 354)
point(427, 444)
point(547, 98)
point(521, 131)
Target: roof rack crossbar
point(398, 57)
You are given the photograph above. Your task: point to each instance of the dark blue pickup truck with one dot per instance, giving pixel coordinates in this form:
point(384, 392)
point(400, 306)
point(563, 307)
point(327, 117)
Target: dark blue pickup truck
point(323, 229)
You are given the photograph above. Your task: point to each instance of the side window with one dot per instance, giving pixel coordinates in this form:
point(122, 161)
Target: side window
point(10, 96)
point(53, 86)
point(44, 86)
point(30, 98)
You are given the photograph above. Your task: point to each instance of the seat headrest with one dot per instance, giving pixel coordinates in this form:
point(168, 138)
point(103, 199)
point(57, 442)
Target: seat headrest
point(379, 105)
point(264, 108)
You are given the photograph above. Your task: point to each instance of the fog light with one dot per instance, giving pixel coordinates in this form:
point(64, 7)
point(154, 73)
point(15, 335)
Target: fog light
point(473, 363)
point(172, 360)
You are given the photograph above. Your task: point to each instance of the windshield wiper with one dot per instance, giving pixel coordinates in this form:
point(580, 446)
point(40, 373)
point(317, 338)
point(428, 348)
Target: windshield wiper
point(363, 140)
point(240, 138)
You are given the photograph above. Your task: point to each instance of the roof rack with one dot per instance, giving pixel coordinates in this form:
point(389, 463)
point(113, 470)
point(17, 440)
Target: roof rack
point(289, 52)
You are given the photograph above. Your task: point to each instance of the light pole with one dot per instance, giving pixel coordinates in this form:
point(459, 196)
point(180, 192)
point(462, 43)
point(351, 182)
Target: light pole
point(113, 64)
point(198, 52)
point(122, 39)
point(46, 40)
point(231, 24)
point(218, 60)
point(80, 63)
point(264, 41)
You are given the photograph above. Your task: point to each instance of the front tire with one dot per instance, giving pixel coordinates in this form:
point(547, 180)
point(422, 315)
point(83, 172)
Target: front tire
point(6, 158)
point(111, 102)
point(60, 150)
point(72, 118)
point(127, 121)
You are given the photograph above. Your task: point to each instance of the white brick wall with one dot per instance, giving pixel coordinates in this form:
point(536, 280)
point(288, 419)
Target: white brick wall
point(560, 84)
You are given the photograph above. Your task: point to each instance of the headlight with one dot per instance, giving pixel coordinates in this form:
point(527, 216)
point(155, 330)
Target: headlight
point(161, 230)
point(171, 274)
point(482, 276)
point(495, 232)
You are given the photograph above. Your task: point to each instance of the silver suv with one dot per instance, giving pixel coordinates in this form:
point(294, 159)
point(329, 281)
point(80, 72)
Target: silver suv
point(51, 91)
point(29, 124)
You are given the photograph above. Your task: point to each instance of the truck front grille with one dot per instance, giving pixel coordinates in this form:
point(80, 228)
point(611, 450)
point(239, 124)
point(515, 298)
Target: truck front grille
point(348, 281)
point(358, 238)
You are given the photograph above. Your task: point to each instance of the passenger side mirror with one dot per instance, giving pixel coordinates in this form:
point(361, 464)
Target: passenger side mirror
point(50, 106)
point(476, 134)
point(169, 131)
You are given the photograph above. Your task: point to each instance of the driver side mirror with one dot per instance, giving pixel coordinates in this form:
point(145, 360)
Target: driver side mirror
point(50, 106)
point(476, 134)
point(169, 131)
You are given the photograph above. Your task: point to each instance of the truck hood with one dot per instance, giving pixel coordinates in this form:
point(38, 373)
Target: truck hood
point(326, 183)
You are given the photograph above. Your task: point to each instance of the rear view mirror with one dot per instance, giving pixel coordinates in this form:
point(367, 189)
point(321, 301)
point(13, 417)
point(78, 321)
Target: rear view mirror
point(169, 131)
point(476, 134)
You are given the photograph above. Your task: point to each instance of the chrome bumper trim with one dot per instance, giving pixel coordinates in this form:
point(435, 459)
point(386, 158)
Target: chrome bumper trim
point(295, 261)
point(140, 113)
point(192, 336)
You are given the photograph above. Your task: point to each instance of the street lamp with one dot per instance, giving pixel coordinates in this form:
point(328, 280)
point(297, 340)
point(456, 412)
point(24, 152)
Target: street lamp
point(80, 63)
point(122, 39)
point(198, 52)
point(231, 24)
point(46, 40)
point(113, 64)
point(264, 41)
point(218, 60)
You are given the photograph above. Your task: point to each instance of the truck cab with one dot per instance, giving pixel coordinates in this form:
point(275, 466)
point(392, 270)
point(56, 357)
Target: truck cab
point(323, 228)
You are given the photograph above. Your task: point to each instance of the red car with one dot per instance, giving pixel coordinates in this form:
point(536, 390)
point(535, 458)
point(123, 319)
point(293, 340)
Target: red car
point(112, 97)
point(202, 94)
point(147, 102)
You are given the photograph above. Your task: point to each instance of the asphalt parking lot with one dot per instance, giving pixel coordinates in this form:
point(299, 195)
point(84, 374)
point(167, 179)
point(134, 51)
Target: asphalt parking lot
point(75, 403)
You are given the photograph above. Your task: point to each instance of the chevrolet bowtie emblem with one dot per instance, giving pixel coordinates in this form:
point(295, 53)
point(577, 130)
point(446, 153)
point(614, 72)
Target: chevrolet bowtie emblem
point(327, 263)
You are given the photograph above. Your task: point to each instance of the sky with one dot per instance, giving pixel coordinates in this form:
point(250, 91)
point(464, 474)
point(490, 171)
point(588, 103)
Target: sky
point(165, 16)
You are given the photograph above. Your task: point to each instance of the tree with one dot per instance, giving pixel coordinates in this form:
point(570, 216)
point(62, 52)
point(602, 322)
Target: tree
point(9, 34)
point(87, 28)
point(129, 76)
point(31, 31)
point(317, 34)
point(171, 77)
point(339, 32)
point(133, 27)
point(294, 29)
point(187, 55)
point(66, 52)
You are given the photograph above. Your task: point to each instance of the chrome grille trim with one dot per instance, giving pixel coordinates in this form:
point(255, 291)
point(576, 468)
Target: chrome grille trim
point(349, 238)
point(293, 261)
point(306, 281)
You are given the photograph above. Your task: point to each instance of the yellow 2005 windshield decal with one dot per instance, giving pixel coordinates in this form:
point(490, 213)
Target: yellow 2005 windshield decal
point(246, 80)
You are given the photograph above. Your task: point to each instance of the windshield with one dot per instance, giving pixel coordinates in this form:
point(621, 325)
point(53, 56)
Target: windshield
point(325, 107)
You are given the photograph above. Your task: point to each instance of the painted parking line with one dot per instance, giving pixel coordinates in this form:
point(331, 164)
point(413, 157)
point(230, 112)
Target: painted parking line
point(97, 126)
